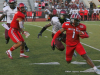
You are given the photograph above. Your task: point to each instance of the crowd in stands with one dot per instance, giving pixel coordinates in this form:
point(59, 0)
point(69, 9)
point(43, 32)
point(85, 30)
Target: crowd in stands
point(72, 7)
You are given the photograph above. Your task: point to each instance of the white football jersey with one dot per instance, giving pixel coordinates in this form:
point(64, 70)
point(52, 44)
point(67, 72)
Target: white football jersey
point(56, 24)
point(9, 12)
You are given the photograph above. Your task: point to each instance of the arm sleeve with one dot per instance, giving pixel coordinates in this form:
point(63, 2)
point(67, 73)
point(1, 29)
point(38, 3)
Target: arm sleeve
point(21, 24)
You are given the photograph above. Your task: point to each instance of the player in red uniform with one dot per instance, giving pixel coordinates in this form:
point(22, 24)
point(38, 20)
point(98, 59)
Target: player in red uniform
point(10, 10)
point(14, 32)
point(74, 31)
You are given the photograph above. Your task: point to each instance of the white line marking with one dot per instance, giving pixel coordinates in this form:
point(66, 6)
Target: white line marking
point(90, 46)
point(49, 63)
point(81, 42)
point(76, 62)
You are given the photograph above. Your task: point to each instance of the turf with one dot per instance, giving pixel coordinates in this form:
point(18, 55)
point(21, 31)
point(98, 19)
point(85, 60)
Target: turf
point(41, 52)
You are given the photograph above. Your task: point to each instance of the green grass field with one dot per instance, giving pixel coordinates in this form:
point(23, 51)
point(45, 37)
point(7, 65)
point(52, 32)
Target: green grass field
point(42, 59)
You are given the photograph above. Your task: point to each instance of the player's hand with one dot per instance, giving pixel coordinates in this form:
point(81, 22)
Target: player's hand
point(40, 34)
point(53, 44)
point(26, 34)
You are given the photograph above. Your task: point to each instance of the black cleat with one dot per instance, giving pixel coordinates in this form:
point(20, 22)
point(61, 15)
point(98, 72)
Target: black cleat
point(27, 49)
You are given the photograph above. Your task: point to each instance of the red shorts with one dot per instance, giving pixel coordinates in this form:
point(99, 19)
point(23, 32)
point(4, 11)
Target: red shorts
point(15, 35)
point(70, 50)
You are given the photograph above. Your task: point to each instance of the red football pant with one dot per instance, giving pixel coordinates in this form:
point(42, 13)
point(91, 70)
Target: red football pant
point(15, 35)
point(70, 50)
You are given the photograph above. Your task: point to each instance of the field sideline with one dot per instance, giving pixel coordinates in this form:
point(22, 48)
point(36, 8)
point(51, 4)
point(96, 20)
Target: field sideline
point(43, 60)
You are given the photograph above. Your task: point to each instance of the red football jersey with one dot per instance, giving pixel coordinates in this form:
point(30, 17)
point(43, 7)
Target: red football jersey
point(72, 33)
point(15, 23)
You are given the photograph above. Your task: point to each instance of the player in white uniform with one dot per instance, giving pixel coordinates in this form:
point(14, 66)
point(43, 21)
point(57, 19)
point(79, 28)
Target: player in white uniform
point(56, 26)
point(10, 10)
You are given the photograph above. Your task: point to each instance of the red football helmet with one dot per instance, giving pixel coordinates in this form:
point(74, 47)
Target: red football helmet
point(75, 19)
point(12, 4)
point(21, 7)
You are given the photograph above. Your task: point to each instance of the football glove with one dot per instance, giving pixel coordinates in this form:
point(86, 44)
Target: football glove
point(40, 34)
point(53, 45)
point(26, 34)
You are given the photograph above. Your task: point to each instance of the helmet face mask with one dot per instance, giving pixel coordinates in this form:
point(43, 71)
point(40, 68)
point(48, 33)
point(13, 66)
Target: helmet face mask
point(61, 16)
point(75, 20)
point(12, 4)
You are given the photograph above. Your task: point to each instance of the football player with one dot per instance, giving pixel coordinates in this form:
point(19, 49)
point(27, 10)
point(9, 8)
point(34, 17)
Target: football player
point(74, 31)
point(10, 10)
point(57, 22)
point(16, 27)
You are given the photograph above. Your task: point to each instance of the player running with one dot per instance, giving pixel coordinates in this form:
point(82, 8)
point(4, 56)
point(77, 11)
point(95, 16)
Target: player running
point(15, 32)
point(74, 31)
point(10, 10)
point(57, 22)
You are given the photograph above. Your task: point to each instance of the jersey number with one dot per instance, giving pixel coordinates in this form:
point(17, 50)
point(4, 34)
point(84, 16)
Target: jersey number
point(73, 33)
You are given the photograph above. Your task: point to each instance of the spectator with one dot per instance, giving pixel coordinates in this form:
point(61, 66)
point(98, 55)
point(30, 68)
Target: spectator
point(94, 13)
point(43, 5)
point(77, 4)
point(4, 4)
point(91, 5)
point(50, 2)
point(46, 14)
point(34, 15)
point(36, 5)
point(55, 4)
point(81, 12)
point(85, 14)
point(66, 4)
point(90, 14)
point(54, 12)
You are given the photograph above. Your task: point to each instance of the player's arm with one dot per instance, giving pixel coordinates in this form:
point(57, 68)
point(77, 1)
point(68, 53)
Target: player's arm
point(20, 24)
point(55, 36)
point(3, 15)
point(83, 34)
point(43, 29)
point(20, 20)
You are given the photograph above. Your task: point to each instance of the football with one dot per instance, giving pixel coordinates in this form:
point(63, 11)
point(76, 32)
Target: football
point(81, 32)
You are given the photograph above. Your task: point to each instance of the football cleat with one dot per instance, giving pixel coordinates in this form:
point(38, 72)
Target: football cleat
point(23, 55)
point(97, 71)
point(8, 52)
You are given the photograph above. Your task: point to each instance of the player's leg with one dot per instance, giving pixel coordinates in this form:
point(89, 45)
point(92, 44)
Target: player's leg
point(64, 40)
point(82, 52)
point(69, 53)
point(16, 38)
point(22, 51)
point(59, 44)
point(26, 48)
point(6, 34)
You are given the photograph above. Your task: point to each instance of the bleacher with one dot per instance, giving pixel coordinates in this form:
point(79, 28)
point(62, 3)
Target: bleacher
point(1, 5)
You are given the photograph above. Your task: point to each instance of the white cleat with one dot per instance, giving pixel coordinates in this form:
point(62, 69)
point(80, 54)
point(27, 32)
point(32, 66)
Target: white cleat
point(8, 52)
point(23, 55)
point(97, 71)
